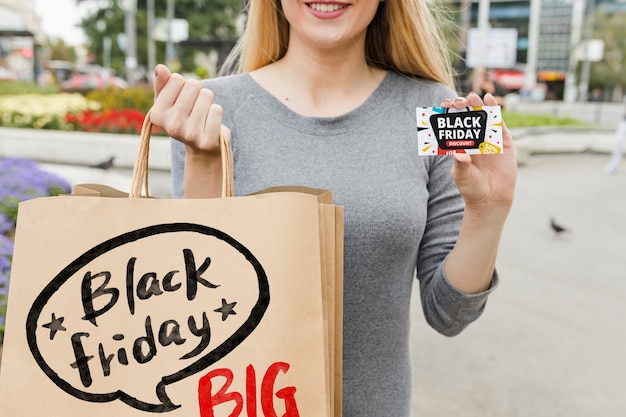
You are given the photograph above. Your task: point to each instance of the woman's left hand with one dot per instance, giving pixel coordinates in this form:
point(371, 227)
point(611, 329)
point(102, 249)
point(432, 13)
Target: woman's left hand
point(486, 182)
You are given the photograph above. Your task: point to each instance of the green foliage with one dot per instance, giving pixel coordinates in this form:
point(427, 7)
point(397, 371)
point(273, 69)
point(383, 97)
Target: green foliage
point(610, 72)
point(14, 88)
point(60, 51)
point(202, 73)
point(213, 19)
point(25, 120)
point(514, 120)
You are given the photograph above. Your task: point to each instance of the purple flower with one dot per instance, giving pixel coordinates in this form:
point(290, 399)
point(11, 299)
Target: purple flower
point(6, 253)
point(20, 180)
point(6, 223)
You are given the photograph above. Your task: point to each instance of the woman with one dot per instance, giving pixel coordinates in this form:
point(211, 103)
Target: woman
point(326, 97)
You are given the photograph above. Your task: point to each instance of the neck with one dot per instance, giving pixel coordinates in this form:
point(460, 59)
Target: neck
point(321, 83)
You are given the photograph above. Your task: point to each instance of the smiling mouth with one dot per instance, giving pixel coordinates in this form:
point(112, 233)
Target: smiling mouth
point(326, 7)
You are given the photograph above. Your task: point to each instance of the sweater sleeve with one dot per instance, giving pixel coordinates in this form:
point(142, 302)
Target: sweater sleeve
point(178, 167)
point(446, 309)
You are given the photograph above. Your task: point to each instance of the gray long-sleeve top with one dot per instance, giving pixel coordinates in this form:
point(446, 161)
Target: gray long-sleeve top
point(402, 216)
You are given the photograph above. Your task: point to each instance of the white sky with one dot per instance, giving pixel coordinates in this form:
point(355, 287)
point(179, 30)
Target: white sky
point(59, 19)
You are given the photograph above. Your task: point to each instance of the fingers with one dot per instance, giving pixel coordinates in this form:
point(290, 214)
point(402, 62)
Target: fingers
point(460, 171)
point(490, 100)
point(186, 111)
point(161, 75)
point(214, 121)
point(463, 174)
point(472, 99)
point(192, 101)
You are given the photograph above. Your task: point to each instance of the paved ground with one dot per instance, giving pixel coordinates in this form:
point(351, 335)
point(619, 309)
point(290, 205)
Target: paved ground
point(551, 342)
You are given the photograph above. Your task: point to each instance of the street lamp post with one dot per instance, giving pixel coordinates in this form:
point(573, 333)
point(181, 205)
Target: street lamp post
point(169, 44)
point(530, 73)
point(483, 31)
point(583, 87)
point(130, 7)
point(151, 44)
point(578, 9)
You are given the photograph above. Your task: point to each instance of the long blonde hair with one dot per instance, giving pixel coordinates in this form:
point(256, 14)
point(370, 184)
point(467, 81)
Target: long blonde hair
point(404, 36)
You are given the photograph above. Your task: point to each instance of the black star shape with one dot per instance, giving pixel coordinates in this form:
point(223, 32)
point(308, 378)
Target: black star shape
point(226, 309)
point(55, 325)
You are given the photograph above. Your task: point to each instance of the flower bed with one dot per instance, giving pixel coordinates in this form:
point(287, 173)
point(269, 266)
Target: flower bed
point(20, 180)
point(42, 111)
point(110, 110)
point(110, 121)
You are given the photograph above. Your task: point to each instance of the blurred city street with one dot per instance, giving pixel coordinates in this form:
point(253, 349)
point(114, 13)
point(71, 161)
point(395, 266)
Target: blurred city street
point(551, 341)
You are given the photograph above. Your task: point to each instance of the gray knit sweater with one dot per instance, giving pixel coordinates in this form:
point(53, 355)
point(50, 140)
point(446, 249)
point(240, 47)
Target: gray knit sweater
point(402, 215)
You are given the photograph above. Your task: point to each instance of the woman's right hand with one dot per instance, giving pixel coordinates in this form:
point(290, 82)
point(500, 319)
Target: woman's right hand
point(186, 111)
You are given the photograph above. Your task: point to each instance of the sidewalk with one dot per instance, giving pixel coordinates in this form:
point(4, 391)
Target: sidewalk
point(71, 155)
point(85, 149)
point(551, 341)
point(554, 140)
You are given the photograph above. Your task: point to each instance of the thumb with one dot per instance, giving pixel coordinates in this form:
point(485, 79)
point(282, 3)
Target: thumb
point(461, 171)
point(161, 76)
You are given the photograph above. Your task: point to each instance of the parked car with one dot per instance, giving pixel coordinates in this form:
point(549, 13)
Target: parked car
point(6, 75)
point(83, 83)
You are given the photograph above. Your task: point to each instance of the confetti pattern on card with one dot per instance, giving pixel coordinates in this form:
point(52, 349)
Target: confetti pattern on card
point(474, 130)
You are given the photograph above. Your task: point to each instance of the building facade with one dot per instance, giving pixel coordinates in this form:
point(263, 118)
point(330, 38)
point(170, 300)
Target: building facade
point(20, 38)
point(562, 27)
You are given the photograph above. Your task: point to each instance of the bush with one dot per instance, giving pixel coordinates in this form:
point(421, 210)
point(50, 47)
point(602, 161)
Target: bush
point(139, 98)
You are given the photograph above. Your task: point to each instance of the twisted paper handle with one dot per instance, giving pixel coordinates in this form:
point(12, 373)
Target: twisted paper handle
point(139, 181)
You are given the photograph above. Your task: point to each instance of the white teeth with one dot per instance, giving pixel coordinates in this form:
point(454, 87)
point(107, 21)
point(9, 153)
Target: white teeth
point(325, 7)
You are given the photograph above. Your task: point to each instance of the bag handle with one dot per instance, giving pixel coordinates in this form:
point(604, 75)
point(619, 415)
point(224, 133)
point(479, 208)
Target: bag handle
point(139, 180)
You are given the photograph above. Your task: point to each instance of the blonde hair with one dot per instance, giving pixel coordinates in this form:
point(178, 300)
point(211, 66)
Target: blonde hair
point(404, 36)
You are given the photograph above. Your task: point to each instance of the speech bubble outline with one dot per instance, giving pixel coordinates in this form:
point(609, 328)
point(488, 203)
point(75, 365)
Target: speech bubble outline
point(202, 363)
point(454, 116)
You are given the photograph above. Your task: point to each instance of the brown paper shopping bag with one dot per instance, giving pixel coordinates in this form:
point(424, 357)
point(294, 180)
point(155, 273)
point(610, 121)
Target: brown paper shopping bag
point(136, 306)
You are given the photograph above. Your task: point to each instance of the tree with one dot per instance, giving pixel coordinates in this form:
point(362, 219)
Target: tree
point(60, 51)
point(610, 73)
point(214, 19)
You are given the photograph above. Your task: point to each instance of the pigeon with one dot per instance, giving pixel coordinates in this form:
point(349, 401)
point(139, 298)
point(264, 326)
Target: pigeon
point(557, 228)
point(104, 164)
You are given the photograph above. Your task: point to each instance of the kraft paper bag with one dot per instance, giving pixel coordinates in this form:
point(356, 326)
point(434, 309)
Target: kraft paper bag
point(128, 306)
